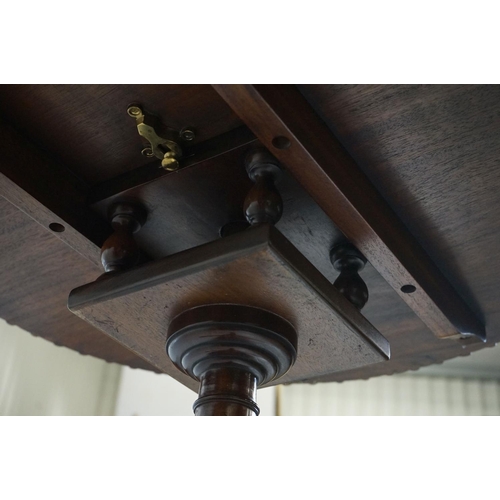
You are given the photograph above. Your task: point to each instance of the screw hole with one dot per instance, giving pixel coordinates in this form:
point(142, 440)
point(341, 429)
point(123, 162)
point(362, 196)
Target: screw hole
point(408, 288)
point(281, 142)
point(134, 110)
point(187, 134)
point(56, 227)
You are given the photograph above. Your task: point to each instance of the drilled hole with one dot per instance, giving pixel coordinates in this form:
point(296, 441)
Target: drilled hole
point(56, 227)
point(281, 142)
point(408, 288)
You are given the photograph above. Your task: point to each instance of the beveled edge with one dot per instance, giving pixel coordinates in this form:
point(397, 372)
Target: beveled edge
point(114, 285)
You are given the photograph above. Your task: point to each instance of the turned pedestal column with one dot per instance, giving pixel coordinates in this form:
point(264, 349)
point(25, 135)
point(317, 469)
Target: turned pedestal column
point(232, 350)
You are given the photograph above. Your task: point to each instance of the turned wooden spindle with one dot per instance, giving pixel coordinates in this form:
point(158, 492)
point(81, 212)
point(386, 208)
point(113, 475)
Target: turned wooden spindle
point(231, 350)
point(349, 261)
point(263, 204)
point(120, 251)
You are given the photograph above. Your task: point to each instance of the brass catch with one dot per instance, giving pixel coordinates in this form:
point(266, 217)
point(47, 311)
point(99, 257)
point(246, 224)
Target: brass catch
point(161, 140)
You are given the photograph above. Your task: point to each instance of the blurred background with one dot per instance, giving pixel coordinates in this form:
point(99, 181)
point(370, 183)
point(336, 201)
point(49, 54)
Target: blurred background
point(39, 378)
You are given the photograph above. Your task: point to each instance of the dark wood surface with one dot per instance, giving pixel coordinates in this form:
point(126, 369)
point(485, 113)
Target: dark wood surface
point(257, 267)
point(36, 183)
point(348, 261)
point(217, 147)
point(88, 129)
point(187, 207)
point(285, 123)
point(34, 297)
point(431, 151)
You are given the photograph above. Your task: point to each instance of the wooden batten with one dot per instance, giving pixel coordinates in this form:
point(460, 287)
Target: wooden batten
point(285, 123)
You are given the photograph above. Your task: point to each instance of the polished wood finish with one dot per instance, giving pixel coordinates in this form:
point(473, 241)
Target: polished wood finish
point(431, 151)
point(263, 204)
point(286, 124)
point(226, 392)
point(349, 262)
point(231, 350)
point(120, 251)
point(257, 267)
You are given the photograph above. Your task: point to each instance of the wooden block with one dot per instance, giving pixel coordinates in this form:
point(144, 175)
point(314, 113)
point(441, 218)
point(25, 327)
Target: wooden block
point(257, 267)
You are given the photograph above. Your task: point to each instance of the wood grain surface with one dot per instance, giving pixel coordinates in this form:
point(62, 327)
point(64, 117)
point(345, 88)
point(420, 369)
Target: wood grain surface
point(34, 297)
point(257, 267)
point(47, 191)
point(431, 151)
point(285, 123)
point(87, 127)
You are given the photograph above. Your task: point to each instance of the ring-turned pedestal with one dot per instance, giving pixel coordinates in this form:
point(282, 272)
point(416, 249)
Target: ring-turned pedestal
point(231, 350)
